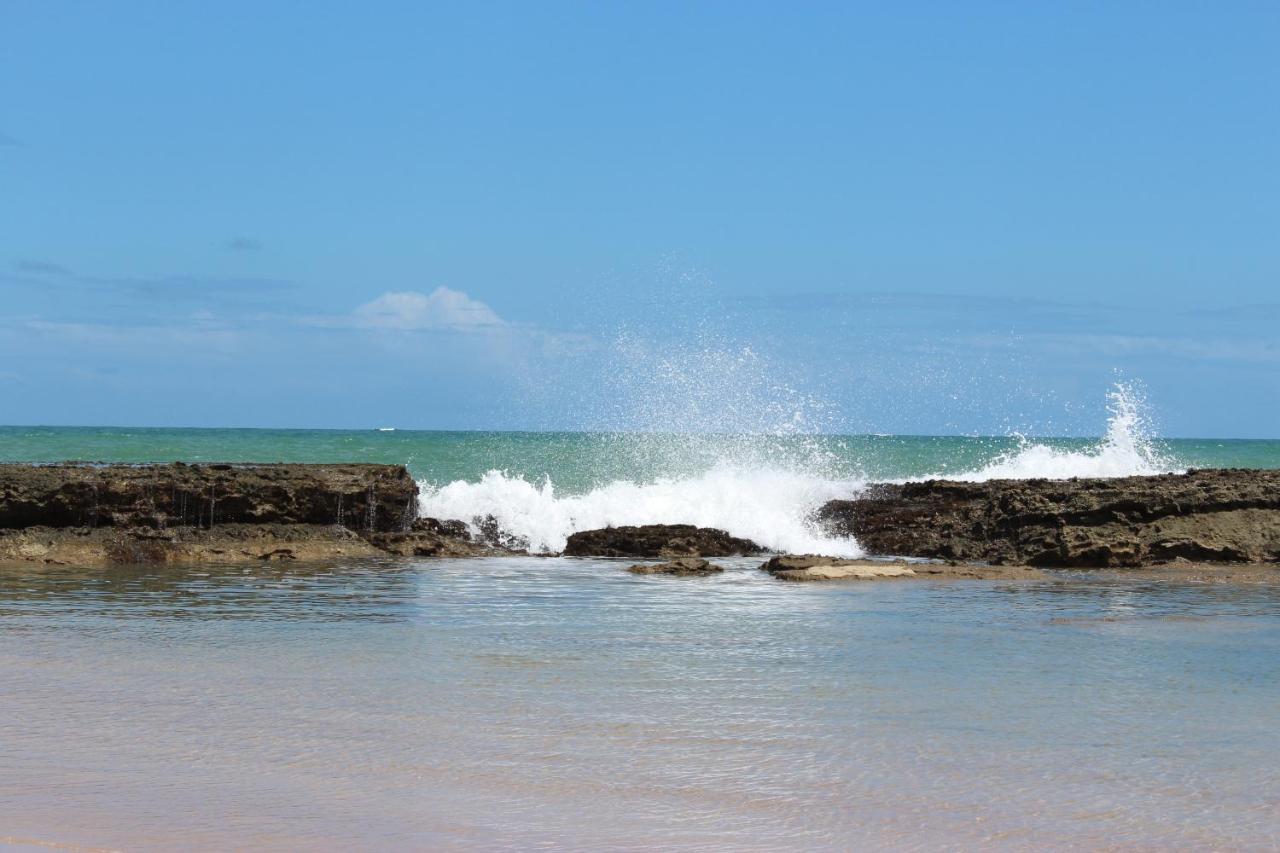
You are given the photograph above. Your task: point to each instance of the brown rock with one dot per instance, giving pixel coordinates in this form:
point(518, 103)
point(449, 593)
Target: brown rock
point(94, 515)
point(658, 540)
point(491, 533)
point(811, 567)
point(682, 567)
point(358, 497)
point(95, 547)
point(430, 537)
point(1230, 515)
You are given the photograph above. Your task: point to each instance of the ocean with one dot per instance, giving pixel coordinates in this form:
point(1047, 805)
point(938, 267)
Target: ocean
point(541, 487)
point(561, 703)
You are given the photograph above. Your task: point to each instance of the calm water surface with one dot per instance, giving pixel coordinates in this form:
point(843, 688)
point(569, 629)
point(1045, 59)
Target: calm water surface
point(578, 460)
point(521, 702)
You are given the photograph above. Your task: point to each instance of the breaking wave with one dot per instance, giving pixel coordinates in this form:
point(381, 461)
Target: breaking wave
point(770, 499)
point(768, 506)
point(1127, 449)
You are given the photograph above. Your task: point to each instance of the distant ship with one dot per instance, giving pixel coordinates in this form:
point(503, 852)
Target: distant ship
point(386, 429)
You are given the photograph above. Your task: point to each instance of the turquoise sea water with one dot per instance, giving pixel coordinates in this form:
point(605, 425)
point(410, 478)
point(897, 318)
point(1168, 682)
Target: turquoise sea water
point(575, 461)
point(541, 487)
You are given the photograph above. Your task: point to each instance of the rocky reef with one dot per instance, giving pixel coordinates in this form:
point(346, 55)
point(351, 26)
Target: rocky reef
point(658, 541)
point(431, 537)
point(358, 497)
point(680, 567)
point(1212, 516)
point(90, 515)
point(87, 514)
point(810, 567)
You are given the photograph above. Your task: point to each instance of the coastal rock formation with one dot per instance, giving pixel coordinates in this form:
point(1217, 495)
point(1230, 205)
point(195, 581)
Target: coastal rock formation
point(658, 541)
point(90, 547)
point(357, 497)
point(490, 532)
point(93, 515)
point(431, 537)
point(811, 567)
point(1230, 515)
point(682, 567)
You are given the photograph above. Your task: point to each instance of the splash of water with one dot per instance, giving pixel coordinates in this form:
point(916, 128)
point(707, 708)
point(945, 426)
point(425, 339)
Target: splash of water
point(1128, 448)
point(764, 486)
point(768, 506)
point(716, 434)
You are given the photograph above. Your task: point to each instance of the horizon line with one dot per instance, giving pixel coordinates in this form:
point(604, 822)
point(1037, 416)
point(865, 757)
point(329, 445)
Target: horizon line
point(388, 430)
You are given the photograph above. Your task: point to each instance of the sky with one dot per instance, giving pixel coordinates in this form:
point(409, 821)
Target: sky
point(852, 217)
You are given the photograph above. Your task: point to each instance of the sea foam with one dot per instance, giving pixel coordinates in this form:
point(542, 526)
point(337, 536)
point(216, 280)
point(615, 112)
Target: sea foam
point(768, 506)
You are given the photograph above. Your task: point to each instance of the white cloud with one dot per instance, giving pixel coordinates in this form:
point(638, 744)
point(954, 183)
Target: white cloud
point(442, 308)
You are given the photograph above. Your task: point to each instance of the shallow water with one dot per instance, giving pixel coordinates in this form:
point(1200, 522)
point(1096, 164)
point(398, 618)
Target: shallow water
point(520, 702)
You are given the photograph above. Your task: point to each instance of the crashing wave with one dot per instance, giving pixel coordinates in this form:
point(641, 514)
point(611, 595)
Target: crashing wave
point(763, 499)
point(1127, 449)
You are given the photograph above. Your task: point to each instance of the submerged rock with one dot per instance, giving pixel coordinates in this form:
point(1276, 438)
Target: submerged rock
point(92, 547)
point(810, 567)
point(658, 540)
point(1230, 515)
point(683, 567)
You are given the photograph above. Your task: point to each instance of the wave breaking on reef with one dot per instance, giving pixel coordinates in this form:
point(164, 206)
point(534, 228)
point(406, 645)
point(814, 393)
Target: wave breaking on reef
point(1126, 449)
point(768, 506)
point(769, 498)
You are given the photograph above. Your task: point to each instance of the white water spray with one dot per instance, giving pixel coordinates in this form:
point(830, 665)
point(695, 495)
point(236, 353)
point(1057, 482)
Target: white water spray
point(768, 506)
point(760, 488)
point(1127, 449)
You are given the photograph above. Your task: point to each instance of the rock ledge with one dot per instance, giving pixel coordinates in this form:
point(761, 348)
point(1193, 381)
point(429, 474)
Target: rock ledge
point(682, 567)
point(92, 515)
point(1226, 515)
point(658, 541)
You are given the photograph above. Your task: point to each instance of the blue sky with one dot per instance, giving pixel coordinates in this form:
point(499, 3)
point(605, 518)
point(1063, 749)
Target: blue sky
point(919, 217)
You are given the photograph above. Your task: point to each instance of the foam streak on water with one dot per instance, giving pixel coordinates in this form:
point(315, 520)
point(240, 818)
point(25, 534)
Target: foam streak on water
point(768, 498)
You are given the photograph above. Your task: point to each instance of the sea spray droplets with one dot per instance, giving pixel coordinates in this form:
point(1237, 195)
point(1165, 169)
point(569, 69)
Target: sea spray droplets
point(1127, 449)
point(704, 385)
point(1130, 432)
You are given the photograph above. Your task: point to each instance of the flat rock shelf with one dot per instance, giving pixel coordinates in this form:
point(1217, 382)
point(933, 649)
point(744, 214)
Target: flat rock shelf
point(1209, 516)
point(88, 515)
